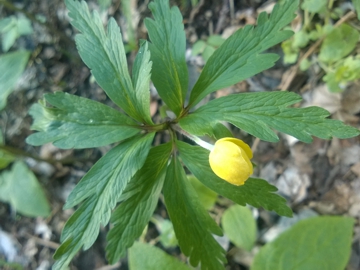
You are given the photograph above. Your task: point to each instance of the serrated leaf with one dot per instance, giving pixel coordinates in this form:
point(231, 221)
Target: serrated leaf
point(12, 66)
point(21, 189)
point(167, 47)
point(239, 226)
point(207, 197)
point(141, 79)
point(339, 43)
point(311, 244)
point(76, 122)
point(104, 53)
point(259, 113)
point(101, 188)
point(143, 256)
point(192, 224)
point(133, 214)
point(256, 192)
point(240, 56)
point(218, 131)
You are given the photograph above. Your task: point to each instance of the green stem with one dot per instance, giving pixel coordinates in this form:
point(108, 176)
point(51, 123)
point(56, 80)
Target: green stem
point(156, 128)
point(195, 139)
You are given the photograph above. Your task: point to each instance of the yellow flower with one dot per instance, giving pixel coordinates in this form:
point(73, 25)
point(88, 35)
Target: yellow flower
point(230, 160)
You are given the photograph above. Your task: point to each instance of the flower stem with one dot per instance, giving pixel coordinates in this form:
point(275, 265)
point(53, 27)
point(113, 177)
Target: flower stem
point(195, 139)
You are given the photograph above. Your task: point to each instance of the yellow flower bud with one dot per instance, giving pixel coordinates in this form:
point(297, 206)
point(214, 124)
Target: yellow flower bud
point(230, 160)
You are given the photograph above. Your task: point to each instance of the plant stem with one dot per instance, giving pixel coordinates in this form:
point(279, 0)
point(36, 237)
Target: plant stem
point(195, 139)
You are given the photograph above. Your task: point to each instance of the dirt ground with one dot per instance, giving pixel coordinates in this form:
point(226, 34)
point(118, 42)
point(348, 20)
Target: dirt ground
point(321, 178)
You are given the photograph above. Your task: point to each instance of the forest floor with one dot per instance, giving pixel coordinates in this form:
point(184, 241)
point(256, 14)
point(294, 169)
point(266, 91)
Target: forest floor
point(321, 178)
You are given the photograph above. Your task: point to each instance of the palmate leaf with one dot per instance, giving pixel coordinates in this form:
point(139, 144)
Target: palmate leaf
point(101, 188)
point(167, 47)
point(133, 214)
point(256, 192)
point(104, 53)
point(76, 122)
point(192, 224)
point(259, 113)
point(241, 56)
point(141, 79)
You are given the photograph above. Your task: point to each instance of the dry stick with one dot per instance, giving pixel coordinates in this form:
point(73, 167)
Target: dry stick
point(286, 83)
point(43, 242)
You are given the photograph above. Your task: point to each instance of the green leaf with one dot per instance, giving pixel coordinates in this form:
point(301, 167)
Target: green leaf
point(133, 214)
point(290, 52)
point(143, 256)
point(104, 4)
point(5, 158)
point(21, 189)
point(239, 226)
point(259, 113)
point(167, 47)
point(141, 79)
point(256, 192)
point(215, 40)
point(24, 26)
point(356, 4)
point(104, 53)
point(301, 39)
point(314, 6)
point(240, 56)
point(101, 188)
point(193, 225)
point(198, 47)
point(167, 236)
point(9, 38)
point(311, 244)
point(7, 23)
point(76, 122)
point(207, 197)
point(12, 66)
point(339, 43)
point(208, 52)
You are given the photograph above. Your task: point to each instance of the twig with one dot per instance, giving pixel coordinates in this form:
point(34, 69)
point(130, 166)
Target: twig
point(285, 84)
point(43, 242)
